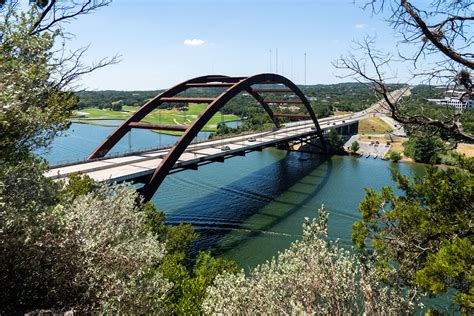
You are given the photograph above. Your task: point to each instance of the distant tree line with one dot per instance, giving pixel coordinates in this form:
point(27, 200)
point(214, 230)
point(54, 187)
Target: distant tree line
point(325, 99)
point(107, 98)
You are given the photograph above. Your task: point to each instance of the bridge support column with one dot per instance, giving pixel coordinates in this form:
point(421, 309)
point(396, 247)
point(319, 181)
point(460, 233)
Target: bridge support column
point(354, 128)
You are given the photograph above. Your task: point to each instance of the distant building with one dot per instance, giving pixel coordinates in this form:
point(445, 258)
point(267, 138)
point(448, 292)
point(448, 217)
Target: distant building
point(454, 102)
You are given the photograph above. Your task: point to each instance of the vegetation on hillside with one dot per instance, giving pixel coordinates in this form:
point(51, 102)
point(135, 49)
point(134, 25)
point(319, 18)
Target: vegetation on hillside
point(78, 245)
point(313, 276)
point(94, 248)
point(423, 237)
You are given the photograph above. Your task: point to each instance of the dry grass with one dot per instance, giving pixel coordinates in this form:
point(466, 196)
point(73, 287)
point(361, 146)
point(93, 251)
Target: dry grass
point(467, 149)
point(397, 146)
point(368, 138)
point(374, 126)
point(337, 112)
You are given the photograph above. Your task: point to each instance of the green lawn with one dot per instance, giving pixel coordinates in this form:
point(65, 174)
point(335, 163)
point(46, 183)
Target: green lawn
point(173, 117)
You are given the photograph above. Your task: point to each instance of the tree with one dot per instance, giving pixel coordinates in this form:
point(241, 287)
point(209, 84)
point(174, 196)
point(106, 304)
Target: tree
point(440, 33)
point(394, 156)
point(423, 147)
point(59, 251)
point(355, 146)
point(36, 96)
point(335, 140)
point(116, 105)
point(313, 276)
point(190, 281)
point(423, 237)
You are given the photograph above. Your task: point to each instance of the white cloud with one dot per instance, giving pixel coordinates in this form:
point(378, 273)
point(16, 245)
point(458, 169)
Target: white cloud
point(193, 42)
point(360, 26)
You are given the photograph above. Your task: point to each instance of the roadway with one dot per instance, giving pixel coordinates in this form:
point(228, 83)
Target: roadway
point(142, 164)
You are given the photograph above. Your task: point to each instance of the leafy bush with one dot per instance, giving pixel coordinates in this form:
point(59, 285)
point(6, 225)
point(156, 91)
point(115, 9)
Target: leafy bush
point(335, 140)
point(312, 276)
point(394, 156)
point(423, 147)
point(355, 146)
point(90, 252)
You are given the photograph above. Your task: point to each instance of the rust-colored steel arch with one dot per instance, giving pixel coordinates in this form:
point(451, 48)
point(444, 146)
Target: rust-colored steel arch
point(204, 81)
point(235, 86)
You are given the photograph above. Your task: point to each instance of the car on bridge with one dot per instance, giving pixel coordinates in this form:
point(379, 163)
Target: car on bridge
point(225, 148)
point(251, 139)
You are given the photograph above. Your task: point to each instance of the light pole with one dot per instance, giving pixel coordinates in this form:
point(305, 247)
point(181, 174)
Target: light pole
point(276, 66)
point(305, 69)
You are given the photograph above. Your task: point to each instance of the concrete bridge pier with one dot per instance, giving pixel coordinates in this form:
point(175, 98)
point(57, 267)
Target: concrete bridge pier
point(349, 130)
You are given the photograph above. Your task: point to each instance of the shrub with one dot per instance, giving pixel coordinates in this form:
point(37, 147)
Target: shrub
point(312, 276)
point(90, 254)
point(394, 156)
point(355, 146)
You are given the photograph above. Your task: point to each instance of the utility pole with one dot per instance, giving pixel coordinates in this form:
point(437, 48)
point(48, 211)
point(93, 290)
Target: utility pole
point(305, 69)
point(276, 53)
point(291, 68)
point(271, 63)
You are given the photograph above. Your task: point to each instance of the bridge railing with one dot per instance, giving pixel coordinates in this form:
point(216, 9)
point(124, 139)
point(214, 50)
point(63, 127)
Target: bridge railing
point(158, 148)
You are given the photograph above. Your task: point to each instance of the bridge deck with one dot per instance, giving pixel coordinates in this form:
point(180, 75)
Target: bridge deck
point(137, 165)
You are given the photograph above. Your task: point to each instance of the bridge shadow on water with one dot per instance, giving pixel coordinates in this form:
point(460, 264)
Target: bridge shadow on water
point(263, 202)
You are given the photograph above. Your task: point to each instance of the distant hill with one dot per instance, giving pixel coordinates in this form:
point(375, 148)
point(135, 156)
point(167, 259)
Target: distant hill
point(351, 96)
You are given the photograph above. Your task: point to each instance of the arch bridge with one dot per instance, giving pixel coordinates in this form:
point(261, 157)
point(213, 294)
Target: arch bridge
point(258, 86)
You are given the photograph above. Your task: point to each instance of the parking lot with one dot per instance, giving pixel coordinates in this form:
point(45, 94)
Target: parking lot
point(374, 149)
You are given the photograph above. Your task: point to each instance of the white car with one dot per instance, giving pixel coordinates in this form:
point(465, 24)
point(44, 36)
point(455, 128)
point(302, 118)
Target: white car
point(225, 148)
point(251, 139)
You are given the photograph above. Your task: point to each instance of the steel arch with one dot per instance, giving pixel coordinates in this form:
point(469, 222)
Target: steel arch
point(235, 84)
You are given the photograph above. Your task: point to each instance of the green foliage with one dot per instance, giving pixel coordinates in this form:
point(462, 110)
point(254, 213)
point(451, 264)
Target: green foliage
point(453, 262)
point(154, 221)
point(105, 99)
point(394, 156)
point(190, 281)
point(313, 276)
point(189, 286)
point(77, 184)
point(209, 267)
point(417, 104)
point(89, 253)
point(350, 96)
point(466, 163)
point(423, 147)
point(32, 109)
point(424, 236)
point(355, 146)
point(335, 140)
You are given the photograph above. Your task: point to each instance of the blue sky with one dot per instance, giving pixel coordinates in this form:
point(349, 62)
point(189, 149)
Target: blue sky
point(231, 37)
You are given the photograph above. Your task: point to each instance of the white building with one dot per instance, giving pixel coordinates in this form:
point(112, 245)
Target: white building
point(456, 103)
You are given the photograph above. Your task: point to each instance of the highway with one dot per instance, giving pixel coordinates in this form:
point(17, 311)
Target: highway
point(141, 164)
